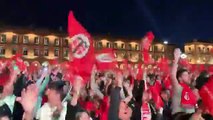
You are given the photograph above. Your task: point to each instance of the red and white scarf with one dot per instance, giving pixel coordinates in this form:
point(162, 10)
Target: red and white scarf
point(146, 113)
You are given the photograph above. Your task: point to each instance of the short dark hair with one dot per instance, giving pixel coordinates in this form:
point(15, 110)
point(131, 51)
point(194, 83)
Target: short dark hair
point(5, 111)
point(200, 81)
point(180, 72)
point(151, 76)
point(58, 87)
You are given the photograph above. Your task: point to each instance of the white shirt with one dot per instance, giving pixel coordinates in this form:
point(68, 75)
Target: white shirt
point(46, 112)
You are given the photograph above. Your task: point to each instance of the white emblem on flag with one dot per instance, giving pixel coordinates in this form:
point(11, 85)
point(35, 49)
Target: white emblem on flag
point(80, 45)
point(104, 57)
point(186, 96)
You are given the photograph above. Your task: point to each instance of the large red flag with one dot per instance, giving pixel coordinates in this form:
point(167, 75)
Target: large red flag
point(81, 47)
point(105, 59)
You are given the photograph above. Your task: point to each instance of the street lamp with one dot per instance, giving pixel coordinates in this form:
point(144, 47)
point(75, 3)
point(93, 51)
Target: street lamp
point(165, 42)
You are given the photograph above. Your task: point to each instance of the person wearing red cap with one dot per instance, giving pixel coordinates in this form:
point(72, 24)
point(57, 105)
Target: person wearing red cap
point(183, 99)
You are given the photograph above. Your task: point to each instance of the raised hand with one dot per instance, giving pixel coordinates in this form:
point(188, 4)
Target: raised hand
point(76, 89)
point(119, 78)
point(77, 84)
point(177, 54)
point(28, 98)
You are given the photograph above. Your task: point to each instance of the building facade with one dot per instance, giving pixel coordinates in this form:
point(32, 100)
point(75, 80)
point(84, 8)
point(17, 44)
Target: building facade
point(199, 52)
point(43, 45)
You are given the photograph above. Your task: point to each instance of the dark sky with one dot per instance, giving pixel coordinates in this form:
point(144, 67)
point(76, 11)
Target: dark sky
point(172, 20)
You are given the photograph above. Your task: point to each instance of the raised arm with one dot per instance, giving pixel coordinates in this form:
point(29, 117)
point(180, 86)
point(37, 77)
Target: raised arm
point(45, 72)
point(129, 89)
point(73, 107)
point(94, 85)
point(174, 81)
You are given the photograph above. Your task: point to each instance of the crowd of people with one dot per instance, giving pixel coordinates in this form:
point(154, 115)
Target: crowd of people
point(114, 94)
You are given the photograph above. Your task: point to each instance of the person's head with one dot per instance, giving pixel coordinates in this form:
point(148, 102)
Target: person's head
point(82, 116)
point(55, 93)
point(4, 118)
point(201, 80)
point(6, 86)
point(125, 112)
point(5, 113)
point(150, 78)
point(165, 95)
point(183, 76)
point(158, 77)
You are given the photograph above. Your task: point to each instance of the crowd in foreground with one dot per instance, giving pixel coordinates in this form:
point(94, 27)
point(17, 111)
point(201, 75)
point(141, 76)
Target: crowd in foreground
point(109, 95)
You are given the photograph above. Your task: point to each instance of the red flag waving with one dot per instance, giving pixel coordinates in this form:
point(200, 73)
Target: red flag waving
point(105, 60)
point(147, 40)
point(81, 47)
point(145, 45)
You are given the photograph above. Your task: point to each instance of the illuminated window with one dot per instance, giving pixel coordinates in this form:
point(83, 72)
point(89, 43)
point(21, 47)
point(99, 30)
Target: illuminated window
point(15, 39)
point(207, 49)
point(123, 46)
point(136, 47)
point(115, 45)
point(2, 51)
point(56, 42)
point(25, 51)
point(46, 41)
point(26, 39)
point(46, 52)
point(66, 52)
point(156, 48)
point(14, 50)
point(56, 52)
point(108, 45)
point(36, 40)
point(36, 52)
point(3, 38)
point(65, 42)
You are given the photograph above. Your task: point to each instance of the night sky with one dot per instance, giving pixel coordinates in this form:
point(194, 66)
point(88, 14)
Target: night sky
point(172, 20)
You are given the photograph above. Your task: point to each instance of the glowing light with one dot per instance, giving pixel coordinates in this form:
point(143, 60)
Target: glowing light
point(165, 42)
point(183, 56)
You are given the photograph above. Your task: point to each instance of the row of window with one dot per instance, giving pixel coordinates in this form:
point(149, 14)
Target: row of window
point(15, 40)
point(200, 49)
point(115, 45)
point(36, 52)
